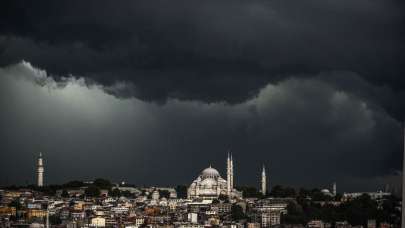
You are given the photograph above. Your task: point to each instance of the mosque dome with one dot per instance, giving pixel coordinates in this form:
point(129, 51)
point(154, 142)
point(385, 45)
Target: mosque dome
point(325, 191)
point(209, 183)
point(210, 173)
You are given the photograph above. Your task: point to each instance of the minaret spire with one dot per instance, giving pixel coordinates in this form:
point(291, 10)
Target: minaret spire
point(231, 172)
point(334, 192)
point(228, 174)
point(263, 182)
point(40, 171)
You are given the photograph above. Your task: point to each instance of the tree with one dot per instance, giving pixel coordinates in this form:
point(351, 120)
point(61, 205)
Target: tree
point(16, 204)
point(304, 193)
point(115, 192)
point(55, 220)
point(237, 212)
point(127, 193)
point(360, 209)
point(164, 193)
point(48, 190)
point(92, 191)
point(338, 197)
point(102, 183)
point(65, 194)
point(280, 191)
point(223, 198)
point(249, 192)
point(73, 184)
point(181, 191)
point(295, 214)
point(317, 195)
point(389, 212)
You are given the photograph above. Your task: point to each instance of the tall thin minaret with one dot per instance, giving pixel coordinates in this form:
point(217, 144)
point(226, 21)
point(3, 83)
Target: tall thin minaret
point(334, 189)
point(40, 171)
point(228, 175)
point(263, 182)
point(231, 172)
point(403, 180)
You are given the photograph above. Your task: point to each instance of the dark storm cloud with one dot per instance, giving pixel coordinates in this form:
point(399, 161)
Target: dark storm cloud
point(178, 82)
point(182, 49)
point(291, 126)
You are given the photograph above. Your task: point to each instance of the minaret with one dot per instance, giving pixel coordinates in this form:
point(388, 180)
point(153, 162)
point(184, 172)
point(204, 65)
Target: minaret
point(231, 172)
point(264, 184)
point(40, 171)
point(403, 181)
point(228, 175)
point(334, 188)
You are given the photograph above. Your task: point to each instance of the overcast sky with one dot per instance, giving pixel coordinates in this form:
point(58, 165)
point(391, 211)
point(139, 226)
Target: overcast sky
point(151, 92)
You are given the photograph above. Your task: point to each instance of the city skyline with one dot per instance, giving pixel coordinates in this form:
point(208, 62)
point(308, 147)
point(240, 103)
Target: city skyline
point(209, 201)
point(263, 186)
point(226, 189)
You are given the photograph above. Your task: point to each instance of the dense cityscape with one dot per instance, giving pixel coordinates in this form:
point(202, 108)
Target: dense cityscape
point(209, 201)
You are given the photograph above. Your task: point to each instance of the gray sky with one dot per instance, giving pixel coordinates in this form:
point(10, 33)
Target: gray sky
point(152, 92)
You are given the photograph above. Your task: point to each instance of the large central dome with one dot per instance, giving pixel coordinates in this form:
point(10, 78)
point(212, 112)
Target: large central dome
point(209, 173)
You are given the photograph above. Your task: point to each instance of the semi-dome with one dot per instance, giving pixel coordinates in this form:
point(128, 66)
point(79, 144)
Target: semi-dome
point(209, 183)
point(210, 173)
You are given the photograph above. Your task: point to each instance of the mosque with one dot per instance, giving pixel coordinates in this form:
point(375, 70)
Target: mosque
point(210, 185)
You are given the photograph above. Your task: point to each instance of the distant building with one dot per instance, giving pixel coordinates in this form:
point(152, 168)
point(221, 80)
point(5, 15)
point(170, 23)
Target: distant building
point(188, 225)
point(371, 224)
point(120, 210)
point(268, 211)
point(132, 190)
point(273, 204)
point(36, 225)
point(385, 225)
point(139, 221)
point(269, 219)
point(373, 195)
point(192, 217)
point(253, 225)
point(98, 222)
point(36, 213)
point(155, 195)
point(7, 211)
point(342, 224)
point(71, 224)
point(315, 224)
point(222, 208)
